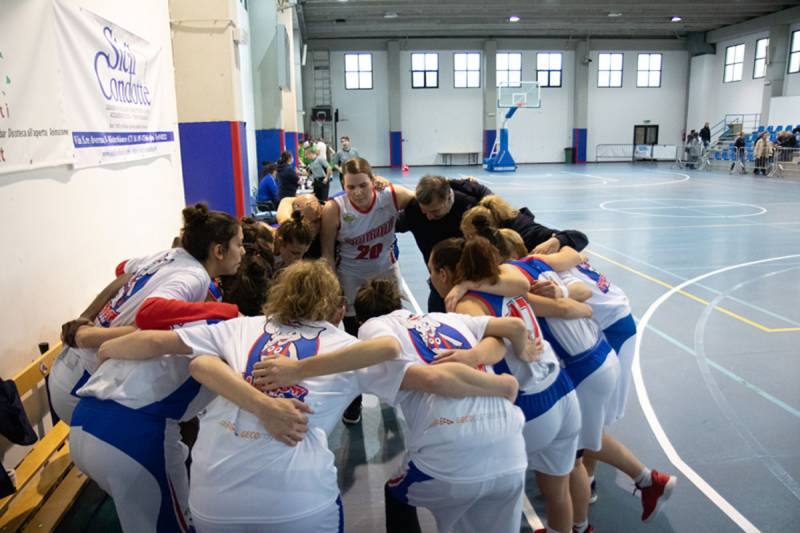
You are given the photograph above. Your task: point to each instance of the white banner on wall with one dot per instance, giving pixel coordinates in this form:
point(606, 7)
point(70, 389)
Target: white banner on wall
point(33, 131)
point(111, 86)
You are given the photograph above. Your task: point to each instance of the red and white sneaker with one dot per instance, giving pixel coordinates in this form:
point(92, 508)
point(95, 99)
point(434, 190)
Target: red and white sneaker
point(589, 529)
point(656, 495)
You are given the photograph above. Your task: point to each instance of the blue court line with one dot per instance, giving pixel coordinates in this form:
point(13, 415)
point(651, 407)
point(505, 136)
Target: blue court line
point(715, 291)
point(732, 375)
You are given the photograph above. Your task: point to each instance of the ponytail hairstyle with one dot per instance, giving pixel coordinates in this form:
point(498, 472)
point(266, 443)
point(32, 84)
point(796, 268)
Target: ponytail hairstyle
point(447, 254)
point(284, 158)
point(203, 228)
point(358, 165)
point(468, 226)
point(295, 230)
point(479, 261)
point(514, 243)
point(249, 286)
point(377, 297)
point(502, 211)
point(483, 228)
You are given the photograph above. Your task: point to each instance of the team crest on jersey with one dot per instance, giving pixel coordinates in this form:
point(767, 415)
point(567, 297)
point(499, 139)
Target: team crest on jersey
point(599, 279)
point(348, 217)
point(430, 336)
point(296, 342)
point(112, 308)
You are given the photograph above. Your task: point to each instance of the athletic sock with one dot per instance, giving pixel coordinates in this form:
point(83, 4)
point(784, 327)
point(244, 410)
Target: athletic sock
point(591, 480)
point(581, 526)
point(643, 480)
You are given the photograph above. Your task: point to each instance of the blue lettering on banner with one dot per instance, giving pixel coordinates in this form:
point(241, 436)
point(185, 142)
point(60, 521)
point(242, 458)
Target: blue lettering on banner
point(120, 61)
point(91, 139)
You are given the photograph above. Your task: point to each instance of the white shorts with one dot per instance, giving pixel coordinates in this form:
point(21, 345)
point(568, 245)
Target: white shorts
point(66, 377)
point(551, 439)
point(596, 379)
point(621, 335)
point(328, 520)
point(352, 281)
point(138, 459)
point(473, 507)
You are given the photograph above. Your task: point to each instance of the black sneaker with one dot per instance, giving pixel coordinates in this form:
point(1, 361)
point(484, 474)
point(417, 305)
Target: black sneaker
point(352, 415)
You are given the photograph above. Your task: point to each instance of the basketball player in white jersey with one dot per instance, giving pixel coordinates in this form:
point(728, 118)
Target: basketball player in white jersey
point(357, 238)
point(547, 397)
point(163, 289)
point(612, 313)
point(125, 426)
point(242, 479)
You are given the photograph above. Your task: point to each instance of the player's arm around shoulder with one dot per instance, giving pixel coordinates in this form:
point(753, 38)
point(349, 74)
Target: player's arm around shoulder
point(402, 196)
point(458, 381)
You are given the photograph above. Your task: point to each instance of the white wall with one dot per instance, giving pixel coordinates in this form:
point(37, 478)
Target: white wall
point(701, 83)
point(540, 135)
point(443, 119)
point(784, 110)
point(364, 114)
point(737, 96)
point(245, 67)
point(613, 112)
point(64, 231)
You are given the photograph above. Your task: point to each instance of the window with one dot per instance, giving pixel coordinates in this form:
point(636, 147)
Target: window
point(358, 71)
point(609, 70)
point(794, 53)
point(760, 65)
point(734, 60)
point(648, 73)
point(424, 70)
point(466, 70)
point(509, 69)
point(548, 69)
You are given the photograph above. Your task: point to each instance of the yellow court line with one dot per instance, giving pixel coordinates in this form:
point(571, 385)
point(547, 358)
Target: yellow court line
point(695, 298)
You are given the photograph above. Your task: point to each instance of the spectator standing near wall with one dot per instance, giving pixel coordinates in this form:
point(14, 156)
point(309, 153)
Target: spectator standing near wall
point(705, 135)
point(320, 172)
point(341, 157)
point(762, 151)
point(738, 151)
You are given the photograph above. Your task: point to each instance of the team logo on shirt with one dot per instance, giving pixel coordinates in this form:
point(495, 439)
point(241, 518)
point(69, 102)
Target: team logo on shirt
point(430, 336)
point(296, 342)
point(112, 308)
point(599, 279)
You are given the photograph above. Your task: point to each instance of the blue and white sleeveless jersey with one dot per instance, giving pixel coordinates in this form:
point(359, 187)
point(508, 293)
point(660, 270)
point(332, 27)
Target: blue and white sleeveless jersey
point(532, 377)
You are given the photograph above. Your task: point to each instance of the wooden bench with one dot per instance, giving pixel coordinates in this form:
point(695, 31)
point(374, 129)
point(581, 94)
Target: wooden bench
point(47, 481)
point(473, 158)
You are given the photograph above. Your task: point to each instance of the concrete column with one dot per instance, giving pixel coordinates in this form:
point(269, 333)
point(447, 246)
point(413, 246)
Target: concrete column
point(267, 96)
point(777, 57)
point(395, 104)
point(580, 104)
point(489, 96)
point(209, 93)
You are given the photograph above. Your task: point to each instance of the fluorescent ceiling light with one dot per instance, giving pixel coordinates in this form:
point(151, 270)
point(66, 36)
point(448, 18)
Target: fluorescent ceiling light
point(513, 18)
point(615, 15)
point(390, 15)
point(676, 18)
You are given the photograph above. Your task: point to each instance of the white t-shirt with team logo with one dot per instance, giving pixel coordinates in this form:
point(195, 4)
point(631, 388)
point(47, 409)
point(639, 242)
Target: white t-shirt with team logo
point(451, 439)
point(173, 274)
point(608, 302)
point(239, 472)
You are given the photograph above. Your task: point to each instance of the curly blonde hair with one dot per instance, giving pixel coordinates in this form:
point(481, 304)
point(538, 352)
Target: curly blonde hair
point(305, 290)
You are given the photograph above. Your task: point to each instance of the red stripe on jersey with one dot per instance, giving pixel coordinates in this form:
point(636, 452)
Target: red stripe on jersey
point(394, 196)
point(487, 307)
point(371, 205)
point(177, 506)
point(120, 270)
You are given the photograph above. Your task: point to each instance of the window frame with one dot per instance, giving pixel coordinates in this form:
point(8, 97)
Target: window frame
point(610, 70)
point(467, 70)
point(359, 71)
point(425, 71)
point(793, 52)
point(508, 71)
point(650, 70)
point(725, 63)
point(551, 70)
point(756, 59)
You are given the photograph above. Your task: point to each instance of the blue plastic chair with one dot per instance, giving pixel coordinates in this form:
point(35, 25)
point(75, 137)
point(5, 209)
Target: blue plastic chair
point(770, 128)
point(717, 156)
point(760, 129)
point(724, 156)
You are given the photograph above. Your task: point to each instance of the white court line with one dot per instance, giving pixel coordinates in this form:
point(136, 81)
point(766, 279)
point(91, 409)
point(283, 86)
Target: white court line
point(696, 226)
point(652, 419)
point(760, 210)
point(527, 508)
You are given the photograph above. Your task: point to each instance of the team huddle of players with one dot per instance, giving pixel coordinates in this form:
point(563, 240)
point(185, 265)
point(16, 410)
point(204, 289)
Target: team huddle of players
point(239, 322)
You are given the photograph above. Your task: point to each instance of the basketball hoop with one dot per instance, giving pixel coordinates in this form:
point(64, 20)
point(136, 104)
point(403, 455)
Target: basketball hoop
point(520, 104)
